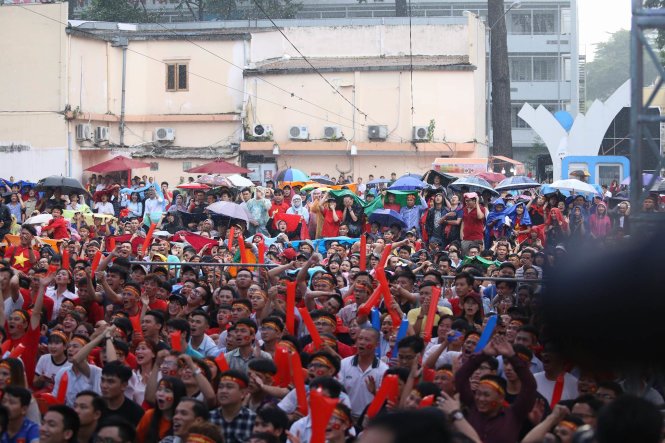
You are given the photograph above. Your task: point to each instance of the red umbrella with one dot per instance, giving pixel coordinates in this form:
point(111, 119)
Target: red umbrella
point(492, 177)
point(219, 167)
point(193, 186)
point(119, 163)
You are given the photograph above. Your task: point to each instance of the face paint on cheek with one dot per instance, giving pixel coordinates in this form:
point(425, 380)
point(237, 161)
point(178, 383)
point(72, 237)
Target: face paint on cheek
point(494, 404)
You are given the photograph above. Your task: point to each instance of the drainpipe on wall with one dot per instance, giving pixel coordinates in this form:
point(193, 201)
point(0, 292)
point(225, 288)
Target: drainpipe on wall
point(122, 42)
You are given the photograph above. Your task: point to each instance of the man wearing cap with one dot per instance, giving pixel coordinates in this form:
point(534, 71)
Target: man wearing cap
point(235, 420)
point(473, 222)
point(245, 336)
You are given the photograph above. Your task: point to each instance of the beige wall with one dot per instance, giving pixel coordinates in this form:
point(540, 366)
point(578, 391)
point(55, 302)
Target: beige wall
point(33, 96)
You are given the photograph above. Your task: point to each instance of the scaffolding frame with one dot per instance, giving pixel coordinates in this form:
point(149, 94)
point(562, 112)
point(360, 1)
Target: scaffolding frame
point(644, 20)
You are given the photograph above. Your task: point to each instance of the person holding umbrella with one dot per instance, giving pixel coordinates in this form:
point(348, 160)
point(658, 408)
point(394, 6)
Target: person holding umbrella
point(473, 222)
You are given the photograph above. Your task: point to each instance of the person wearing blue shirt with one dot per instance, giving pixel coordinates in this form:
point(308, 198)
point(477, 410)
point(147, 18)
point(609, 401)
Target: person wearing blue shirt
point(19, 429)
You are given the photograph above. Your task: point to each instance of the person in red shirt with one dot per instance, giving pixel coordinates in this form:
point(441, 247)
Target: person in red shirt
point(151, 284)
point(57, 227)
point(473, 222)
point(279, 205)
point(21, 257)
point(24, 328)
point(332, 218)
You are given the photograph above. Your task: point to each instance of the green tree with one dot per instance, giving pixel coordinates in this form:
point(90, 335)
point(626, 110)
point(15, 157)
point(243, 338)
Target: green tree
point(229, 10)
point(610, 67)
point(126, 11)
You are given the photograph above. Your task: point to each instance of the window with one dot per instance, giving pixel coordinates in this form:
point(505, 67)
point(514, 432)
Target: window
point(565, 21)
point(544, 22)
point(544, 69)
point(176, 77)
point(520, 23)
point(515, 121)
point(186, 166)
point(520, 69)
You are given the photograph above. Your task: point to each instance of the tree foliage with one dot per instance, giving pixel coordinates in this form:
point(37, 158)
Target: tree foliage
point(242, 10)
point(126, 11)
point(610, 67)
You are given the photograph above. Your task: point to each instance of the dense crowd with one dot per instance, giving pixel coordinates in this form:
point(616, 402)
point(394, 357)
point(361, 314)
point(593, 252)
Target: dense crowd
point(305, 312)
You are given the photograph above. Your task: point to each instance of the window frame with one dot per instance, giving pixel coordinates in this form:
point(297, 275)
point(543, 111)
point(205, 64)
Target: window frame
point(176, 67)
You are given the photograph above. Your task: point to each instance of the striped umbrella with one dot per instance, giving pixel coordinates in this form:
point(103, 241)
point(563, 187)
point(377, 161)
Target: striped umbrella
point(291, 175)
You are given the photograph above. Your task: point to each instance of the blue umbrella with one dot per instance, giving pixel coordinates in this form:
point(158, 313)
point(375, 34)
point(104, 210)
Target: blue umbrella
point(407, 184)
point(386, 217)
point(517, 182)
point(409, 174)
point(291, 175)
point(473, 183)
point(378, 181)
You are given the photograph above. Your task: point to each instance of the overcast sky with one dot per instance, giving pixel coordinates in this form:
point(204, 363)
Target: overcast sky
point(598, 19)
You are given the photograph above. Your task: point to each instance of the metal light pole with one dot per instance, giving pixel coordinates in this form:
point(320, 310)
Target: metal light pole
point(514, 5)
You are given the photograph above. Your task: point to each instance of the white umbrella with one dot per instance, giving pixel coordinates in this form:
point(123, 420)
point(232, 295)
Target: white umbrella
point(574, 186)
point(239, 181)
point(38, 219)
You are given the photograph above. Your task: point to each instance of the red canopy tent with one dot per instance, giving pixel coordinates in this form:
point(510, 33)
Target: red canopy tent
point(219, 167)
point(119, 163)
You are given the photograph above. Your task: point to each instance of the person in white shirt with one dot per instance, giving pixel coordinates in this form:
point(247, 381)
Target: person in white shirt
point(361, 374)
point(104, 206)
point(50, 364)
point(554, 378)
point(152, 203)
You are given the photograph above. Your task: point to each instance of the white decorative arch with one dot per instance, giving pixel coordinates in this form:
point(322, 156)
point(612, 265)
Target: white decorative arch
point(587, 132)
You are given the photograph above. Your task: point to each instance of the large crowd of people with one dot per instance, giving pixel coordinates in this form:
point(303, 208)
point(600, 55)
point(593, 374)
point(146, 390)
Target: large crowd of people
point(301, 312)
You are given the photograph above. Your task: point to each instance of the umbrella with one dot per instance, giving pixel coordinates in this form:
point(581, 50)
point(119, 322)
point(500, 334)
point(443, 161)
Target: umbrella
point(378, 181)
point(517, 182)
point(408, 174)
point(215, 181)
point(38, 219)
point(406, 184)
point(67, 185)
point(646, 179)
point(492, 177)
point(430, 176)
point(659, 187)
point(322, 179)
point(192, 186)
point(239, 181)
point(386, 217)
point(119, 163)
point(473, 183)
point(574, 186)
point(291, 175)
point(219, 167)
point(229, 209)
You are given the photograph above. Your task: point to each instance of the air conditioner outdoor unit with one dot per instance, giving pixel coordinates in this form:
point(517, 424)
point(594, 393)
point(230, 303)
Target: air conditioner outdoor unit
point(332, 132)
point(419, 134)
point(377, 132)
point(101, 134)
point(83, 131)
point(164, 134)
point(298, 133)
point(262, 131)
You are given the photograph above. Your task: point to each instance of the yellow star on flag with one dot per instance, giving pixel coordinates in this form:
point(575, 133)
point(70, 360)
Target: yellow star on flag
point(19, 260)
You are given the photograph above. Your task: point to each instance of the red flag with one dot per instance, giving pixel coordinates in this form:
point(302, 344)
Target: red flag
point(431, 313)
point(322, 409)
point(176, 343)
point(363, 252)
point(112, 244)
point(290, 307)
point(292, 221)
point(197, 241)
point(389, 390)
point(221, 362)
point(309, 323)
point(52, 269)
point(299, 382)
point(65, 258)
point(95, 261)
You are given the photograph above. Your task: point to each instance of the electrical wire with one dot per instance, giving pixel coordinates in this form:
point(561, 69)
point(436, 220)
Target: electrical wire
point(290, 93)
point(78, 29)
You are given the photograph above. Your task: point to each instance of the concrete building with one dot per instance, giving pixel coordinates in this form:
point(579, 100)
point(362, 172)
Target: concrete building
point(197, 91)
